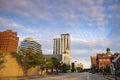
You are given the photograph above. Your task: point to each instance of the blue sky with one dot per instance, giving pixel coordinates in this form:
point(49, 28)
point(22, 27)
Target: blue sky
point(93, 25)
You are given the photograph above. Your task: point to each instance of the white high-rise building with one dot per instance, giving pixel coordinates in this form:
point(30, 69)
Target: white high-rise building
point(65, 48)
point(56, 46)
point(29, 43)
point(65, 42)
point(62, 46)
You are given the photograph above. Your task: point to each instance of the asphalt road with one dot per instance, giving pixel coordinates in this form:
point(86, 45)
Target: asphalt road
point(74, 76)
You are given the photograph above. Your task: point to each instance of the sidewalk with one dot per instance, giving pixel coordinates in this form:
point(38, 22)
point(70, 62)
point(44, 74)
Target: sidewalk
point(109, 77)
point(20, 78)
point(112, 77)
point(26, 78)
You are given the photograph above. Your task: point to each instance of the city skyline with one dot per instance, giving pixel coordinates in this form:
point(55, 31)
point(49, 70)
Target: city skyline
point(92, 24)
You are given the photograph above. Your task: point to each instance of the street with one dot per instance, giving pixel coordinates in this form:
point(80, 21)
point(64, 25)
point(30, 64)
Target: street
point(74, 76)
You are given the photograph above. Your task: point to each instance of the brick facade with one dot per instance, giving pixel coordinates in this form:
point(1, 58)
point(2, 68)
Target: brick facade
point(103, 60)
point(8, 41)
point(93, 61)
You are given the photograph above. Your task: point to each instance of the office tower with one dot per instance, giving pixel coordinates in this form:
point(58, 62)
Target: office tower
point(29, 43)
point(65, 48)
point(62, 46)
point(56, 46)
point(8, 41)
point(65, 42)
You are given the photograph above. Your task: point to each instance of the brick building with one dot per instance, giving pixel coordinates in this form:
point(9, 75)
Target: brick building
point(8, 41)
point(103, 60)
point(93, 61)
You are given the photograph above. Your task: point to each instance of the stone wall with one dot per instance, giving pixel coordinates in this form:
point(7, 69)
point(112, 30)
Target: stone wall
point(11, 68)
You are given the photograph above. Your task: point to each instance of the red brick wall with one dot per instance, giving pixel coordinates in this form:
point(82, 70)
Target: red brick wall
point(8, 41)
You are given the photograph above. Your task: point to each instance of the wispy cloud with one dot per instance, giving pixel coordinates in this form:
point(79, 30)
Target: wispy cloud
point(66, 10)
point(24, 8)
point(6, 23)
point(90, 44)
point(114, 7)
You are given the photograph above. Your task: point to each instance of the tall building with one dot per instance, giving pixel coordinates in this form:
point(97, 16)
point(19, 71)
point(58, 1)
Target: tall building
point(62, 46)
point(8, 41)
point(56, 46)
point(93, 61)
point(29, 43)
point(65, 48)
point(65, 42)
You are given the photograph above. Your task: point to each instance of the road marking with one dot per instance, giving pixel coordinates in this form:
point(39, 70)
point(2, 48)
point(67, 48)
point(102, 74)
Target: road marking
point(88, 76)
point(73, 79)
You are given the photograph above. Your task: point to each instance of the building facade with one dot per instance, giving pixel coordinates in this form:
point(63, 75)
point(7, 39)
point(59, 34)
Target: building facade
point(56, 46)
point(65, 48)
point(79, 65)
point(62, 46)
point(103, 60)
point(8, 41)
point(29, 43)
point(65, 43)
point(93, 61)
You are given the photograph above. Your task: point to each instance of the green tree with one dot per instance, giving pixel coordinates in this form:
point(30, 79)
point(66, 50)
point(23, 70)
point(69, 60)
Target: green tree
point(64, 67)
point(2, 55)
point(28, 59)
point(79, 69)
point(108, 51)
point(107, 69)
point(55, 63)
point(49, 64)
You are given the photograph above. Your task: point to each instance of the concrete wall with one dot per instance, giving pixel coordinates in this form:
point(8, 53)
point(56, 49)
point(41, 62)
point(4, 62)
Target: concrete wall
point(12, 68)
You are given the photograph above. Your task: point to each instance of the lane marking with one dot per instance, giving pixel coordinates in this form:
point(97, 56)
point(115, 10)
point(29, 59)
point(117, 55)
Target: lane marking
point(88, 77)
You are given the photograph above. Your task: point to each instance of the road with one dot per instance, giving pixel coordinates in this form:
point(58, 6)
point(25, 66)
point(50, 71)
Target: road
point(74, 76)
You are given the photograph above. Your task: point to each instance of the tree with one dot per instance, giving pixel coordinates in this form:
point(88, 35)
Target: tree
point(49, 64)
point(107, 69)
point(64, 67)
point(56, 64)
point(28, 59)
point(2, 55)
point(108, 51)
point(79, 69)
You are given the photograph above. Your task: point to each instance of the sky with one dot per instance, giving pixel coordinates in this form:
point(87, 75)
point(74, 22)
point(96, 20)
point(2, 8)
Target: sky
point(93, 25)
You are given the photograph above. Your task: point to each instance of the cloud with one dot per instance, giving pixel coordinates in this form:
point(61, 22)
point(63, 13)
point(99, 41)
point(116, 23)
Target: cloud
point(89, 44)
point(114, 7)
point(66, 10)
point(22, 9)
point(6, 23)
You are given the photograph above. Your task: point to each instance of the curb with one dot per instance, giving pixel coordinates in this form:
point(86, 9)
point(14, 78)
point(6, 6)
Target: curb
point(108, 78)
point(111, 77)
